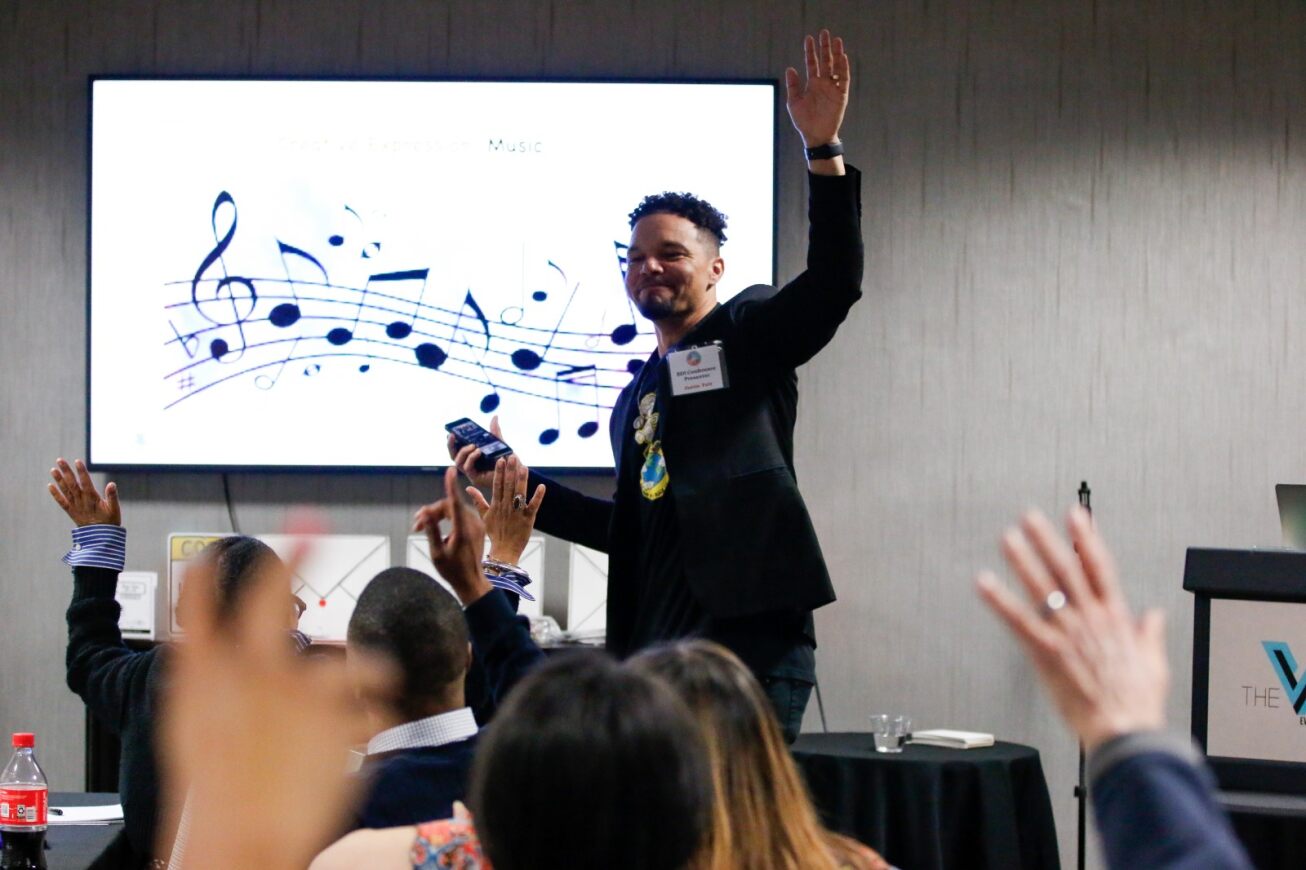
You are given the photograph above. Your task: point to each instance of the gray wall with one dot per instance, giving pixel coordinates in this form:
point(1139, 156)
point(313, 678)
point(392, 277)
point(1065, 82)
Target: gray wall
point(1083, 226)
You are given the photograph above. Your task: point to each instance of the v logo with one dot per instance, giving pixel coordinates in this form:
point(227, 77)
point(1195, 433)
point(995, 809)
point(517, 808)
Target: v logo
point(1285, 666)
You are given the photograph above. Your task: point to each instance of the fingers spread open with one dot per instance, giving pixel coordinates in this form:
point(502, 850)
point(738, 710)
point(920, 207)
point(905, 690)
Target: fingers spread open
point(1029, 569)
point(536, 500)
point(478, 500)
point(84, 477)
point(58, 497)
point(1028, 627)
point(793, 88)
point(1056, 555)
point(809, 57)
point(499, 491)
point(1099, 566)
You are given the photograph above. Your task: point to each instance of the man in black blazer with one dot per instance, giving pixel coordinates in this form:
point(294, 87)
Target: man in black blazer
point(707, 533)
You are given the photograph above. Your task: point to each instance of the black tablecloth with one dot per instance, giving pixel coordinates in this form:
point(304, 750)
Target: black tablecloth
point(930, 809)
point(75, 847)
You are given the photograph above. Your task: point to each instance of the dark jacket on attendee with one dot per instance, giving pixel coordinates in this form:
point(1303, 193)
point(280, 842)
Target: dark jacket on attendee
point(415, 785)
point(419, 784)
point(120, 687)
point(1154, 799)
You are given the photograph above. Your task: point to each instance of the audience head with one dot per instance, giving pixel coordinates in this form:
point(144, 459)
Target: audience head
point(236, 562)
point(408, 617)
point(762, 816)
point(591, 765)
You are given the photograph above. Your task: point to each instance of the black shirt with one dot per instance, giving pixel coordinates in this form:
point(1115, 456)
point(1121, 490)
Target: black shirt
point(771, 644)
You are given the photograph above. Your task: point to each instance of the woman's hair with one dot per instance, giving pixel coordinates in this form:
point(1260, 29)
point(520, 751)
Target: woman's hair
point(762, 816)
point(590, 765)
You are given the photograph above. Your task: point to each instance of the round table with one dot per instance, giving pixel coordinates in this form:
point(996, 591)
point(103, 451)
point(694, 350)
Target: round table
point(928, 808)
point(75, 847)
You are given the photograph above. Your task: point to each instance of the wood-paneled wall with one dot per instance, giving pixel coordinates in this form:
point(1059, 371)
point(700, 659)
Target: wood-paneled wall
point(1084, 227)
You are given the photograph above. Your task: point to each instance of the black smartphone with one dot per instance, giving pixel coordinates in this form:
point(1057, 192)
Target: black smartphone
point(467, 431)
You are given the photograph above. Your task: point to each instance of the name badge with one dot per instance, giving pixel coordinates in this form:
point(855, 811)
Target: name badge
point(697, 370)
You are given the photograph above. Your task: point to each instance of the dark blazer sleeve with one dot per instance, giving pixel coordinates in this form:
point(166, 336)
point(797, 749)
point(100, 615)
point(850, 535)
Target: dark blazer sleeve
point(501, 641)
point(789, 327)
point(572, 516)
point(105, 674)
point(1156, 808)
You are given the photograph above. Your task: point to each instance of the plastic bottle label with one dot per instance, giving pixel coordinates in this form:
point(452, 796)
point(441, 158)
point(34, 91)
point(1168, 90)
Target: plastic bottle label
point(23, 807)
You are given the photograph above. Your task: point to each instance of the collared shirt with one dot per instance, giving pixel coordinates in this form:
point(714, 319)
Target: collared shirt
point(435, 730)
point(98, 546)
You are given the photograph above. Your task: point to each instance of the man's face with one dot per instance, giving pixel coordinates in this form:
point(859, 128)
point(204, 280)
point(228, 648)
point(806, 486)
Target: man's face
point(672, 267)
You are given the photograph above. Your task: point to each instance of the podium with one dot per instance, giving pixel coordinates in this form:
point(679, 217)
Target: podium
point(1249, 691)
point(1249, 649)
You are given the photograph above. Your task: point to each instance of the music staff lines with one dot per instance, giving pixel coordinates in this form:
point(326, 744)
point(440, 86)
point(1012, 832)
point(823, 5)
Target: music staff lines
point(453, 343)
point(407, 303)
point(553, 399)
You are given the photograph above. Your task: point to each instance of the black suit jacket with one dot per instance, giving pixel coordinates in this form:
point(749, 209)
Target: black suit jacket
point(748, 542)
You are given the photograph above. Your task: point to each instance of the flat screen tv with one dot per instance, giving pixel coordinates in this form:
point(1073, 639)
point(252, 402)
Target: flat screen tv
point(296, 274)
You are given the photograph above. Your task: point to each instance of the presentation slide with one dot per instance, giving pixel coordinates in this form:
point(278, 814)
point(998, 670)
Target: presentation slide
point(322, 274)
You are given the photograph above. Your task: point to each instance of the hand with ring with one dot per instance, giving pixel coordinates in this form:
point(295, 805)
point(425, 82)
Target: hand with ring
point(1106, 670)
point(509, 516)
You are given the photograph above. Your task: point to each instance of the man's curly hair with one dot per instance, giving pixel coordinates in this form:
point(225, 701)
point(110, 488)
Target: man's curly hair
point(697, 211)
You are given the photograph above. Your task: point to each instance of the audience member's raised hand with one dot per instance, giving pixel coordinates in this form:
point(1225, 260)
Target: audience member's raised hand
point(466, 456)
point(457, 556)
point(254, 737)
point(75, 492)
point(508, 516)
point(1105, 670)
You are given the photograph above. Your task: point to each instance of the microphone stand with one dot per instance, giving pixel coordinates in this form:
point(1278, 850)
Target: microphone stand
point(1081, 791)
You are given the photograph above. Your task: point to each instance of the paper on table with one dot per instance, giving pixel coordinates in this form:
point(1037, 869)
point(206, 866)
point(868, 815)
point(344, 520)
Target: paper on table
point(85, 815)
point(950, 739)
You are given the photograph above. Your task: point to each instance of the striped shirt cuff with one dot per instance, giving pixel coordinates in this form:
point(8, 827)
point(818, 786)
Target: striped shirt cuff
point(512, 581)
point(98, 546)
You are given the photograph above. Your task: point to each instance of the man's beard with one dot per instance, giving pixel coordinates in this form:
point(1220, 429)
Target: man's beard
point(655, 309)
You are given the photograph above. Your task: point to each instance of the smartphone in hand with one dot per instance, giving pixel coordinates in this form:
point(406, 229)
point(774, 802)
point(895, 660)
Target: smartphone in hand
point(468, 431)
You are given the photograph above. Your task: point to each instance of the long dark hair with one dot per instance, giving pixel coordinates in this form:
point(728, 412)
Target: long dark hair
point(590, 765)
point(762, 815)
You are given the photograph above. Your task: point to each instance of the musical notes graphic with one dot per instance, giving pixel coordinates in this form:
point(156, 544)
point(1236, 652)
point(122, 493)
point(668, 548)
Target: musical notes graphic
point(489, 402)
point(626, 332)
point(287, 314)
point(241, 300)
point(345, 302)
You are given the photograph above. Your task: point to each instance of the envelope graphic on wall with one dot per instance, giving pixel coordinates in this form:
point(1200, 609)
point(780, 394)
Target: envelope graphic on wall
point(587, 599)
point(330, 579)
point(417, 555)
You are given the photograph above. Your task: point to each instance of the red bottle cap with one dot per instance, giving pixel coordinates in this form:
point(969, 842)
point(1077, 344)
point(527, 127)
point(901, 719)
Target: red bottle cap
point(24, 740)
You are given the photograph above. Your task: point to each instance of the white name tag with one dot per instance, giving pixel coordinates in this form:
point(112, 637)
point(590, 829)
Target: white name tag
point(697, 370)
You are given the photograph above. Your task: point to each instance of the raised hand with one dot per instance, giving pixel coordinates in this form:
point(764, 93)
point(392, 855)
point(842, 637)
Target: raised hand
point(1105, 670)
point(508, 516)
point(457, 556)
point(817, 108)
point(75, 492)
point(250, 729)
point(466, 456)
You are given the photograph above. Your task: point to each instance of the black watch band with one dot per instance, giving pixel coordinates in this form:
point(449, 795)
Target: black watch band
point(825, 152)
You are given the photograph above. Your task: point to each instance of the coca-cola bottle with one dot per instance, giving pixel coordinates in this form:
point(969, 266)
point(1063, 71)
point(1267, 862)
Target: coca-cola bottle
point(24, 801)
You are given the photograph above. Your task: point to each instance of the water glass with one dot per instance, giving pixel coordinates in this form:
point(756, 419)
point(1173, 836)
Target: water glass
point(891, 731)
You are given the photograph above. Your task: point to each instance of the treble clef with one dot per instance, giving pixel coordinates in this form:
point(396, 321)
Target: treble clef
point(240, 294)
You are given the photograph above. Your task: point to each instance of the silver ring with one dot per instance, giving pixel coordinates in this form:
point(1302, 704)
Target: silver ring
point(519, 502)
point(1055, 601)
